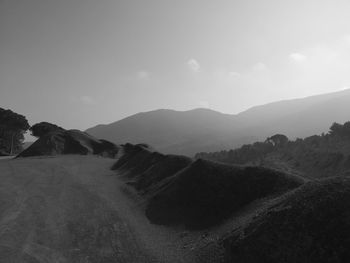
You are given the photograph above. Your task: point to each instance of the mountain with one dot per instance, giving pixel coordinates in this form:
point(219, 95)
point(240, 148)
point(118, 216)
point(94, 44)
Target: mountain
point(199, 130)
point(299, 117)
point(171, 131)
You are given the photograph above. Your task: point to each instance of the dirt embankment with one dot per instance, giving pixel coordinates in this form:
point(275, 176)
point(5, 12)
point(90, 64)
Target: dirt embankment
point(311, 224)
point(196, 194)
point(69, 142)
point(75, 209)
point(246, 214)
point(146, 169)
point(206, 193)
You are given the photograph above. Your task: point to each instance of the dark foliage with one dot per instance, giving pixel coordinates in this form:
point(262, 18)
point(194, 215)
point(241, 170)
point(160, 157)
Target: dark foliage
point(315, 156)
point(43, 128)
point(278, 140)
point(340, 130)
point(12, 128)
point(253, 153)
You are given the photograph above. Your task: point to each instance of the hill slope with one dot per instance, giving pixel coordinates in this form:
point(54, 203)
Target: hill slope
point(170, 131)
point(310, 225)
point(317, 156)
point(205, 193)
point(196, 194)
point(200, 130)
point(241, 213)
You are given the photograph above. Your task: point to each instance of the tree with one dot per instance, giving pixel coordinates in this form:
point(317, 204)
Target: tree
point(40, 129)
point(335, 129)
point(12, 128)
point(278, 140)
point(346, 128)
point(340, 130)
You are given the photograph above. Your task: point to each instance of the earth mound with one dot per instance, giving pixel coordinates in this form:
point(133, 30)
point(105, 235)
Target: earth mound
point(147, 168)
point(205, 193)
point(69, 142)
point(310, 224)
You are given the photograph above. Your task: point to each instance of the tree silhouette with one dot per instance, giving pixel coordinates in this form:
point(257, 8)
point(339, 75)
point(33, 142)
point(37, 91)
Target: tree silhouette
point(278, 140)
point(12, 128)
point(340, 130)
point(40, 129)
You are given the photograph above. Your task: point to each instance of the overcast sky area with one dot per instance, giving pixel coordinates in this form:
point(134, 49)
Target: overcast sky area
point(78, 63)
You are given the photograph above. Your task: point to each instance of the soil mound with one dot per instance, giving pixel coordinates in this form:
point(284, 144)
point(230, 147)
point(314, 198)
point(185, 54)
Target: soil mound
point(147, 168)
point(310, 224)
point(69, 142)
point(205, 193)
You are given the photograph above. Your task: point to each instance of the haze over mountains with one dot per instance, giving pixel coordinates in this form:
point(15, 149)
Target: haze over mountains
point(189, 132)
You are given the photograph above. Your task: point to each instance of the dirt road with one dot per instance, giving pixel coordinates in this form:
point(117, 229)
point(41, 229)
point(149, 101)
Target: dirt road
point(73, 209)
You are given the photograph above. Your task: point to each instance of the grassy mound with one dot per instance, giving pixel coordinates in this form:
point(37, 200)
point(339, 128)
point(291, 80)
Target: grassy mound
point(136, 159)
point(69, 142)
point(311, 224)
point(206, 192)
point(167, 166)
point(147, 167)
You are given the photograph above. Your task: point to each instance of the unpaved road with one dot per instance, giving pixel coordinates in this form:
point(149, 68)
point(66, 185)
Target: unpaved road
point(73, 209)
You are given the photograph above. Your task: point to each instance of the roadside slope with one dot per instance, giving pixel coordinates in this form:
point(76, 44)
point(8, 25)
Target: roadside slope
point(309, 225)
point(200, 194)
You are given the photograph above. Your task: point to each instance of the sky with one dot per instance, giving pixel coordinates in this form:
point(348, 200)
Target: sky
point(79, 63)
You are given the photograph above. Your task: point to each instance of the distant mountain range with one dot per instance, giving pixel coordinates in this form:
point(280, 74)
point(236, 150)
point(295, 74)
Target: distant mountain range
point(189, 132)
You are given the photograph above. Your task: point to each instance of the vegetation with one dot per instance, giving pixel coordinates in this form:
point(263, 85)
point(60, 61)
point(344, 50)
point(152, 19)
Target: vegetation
point(340, 130)
point(278, 140)
point(247, 153)
point(12, 128)
point(60, 141)
point(315, 156)
point(40, 129)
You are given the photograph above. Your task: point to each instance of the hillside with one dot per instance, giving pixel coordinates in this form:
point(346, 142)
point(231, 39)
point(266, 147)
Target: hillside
point(316, 156)
point(206, 193)
point(167, 208)
point(196, 194)
point(231, 213)
point(145, 168)
point(199, 130)
point(171, 131)
point(299, 117)
point(310, 225)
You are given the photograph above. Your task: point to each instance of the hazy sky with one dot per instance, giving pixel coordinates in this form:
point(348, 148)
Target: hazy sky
point(79, 63)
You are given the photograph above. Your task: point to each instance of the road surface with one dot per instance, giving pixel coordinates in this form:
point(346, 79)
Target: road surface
point(74, 209)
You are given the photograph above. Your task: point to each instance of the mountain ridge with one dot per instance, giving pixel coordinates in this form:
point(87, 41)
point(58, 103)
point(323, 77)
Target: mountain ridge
point(202, 129)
